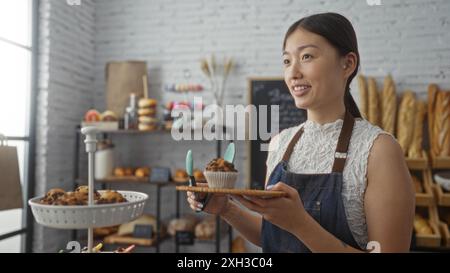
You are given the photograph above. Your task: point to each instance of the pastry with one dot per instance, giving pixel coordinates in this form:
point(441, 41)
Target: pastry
point(52, 195)
point(147, 112)
point(220, 165)
point(108, 116)
point(110, 197)
point(146, 219)
point(119, 172)
point(83, 192)
point(221, 174)
point(388, 105)
point(143, 103)
point(363, 100)
point(147, 127)
point(92, 116)
point(415, 149)
point(405, 122)
point(142, 172)
point(129, 171)
point(181, 175)
point(421, 226)
point(186, 223)
point(373, 103)
point(198, 175)
point(206, 229)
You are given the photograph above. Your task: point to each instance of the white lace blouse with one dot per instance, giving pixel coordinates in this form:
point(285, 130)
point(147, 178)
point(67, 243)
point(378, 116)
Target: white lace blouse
point(314, 153)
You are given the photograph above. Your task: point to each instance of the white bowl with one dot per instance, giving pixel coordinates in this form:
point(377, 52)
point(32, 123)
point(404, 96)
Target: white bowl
point(81, 217)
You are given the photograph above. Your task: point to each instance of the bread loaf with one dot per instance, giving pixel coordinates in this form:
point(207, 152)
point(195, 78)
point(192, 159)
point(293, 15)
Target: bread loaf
point(405, 124)
point(363, 97)
point(415, 150)
point(444, 135)
point(432, 93)
point(437, 123)
point(373, 103)
point(388, 105)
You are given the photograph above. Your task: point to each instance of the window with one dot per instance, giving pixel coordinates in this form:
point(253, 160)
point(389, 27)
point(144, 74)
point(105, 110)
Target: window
point(16, 55)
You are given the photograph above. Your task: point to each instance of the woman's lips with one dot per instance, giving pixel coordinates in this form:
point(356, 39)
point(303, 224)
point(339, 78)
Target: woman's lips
point(300, 90)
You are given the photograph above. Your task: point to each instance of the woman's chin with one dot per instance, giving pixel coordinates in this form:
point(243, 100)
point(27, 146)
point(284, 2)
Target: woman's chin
point(302, 104)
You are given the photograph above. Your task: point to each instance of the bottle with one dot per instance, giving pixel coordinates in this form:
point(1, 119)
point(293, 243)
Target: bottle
point(131, 114)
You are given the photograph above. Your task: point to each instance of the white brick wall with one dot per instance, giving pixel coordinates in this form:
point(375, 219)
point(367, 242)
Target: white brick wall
point(66, 61)
point(409, 39)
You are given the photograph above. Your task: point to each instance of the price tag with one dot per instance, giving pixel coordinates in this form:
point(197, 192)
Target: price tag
point(184, 237)
point(143, 231)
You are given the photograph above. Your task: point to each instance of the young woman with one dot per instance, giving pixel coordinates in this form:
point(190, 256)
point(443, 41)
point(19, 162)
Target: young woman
point(348, 187)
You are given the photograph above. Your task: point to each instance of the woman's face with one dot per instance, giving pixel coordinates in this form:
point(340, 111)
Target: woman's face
point(313, 70)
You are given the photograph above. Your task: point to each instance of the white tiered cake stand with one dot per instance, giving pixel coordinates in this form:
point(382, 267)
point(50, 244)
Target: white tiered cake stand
point(90, 216)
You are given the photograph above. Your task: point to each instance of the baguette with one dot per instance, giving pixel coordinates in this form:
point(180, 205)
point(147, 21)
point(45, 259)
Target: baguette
point(374, 108)
point(444, 135)
point(437, 124)
point(415, 150)
point(363, 100)
point(432, 93)
point(388, 105)
point(405, 122)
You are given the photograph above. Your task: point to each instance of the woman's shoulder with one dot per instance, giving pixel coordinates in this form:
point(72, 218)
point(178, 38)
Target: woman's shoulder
point(283, 137)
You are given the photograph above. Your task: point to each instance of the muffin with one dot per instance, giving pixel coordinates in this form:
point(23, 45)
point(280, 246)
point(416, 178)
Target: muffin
point(220, 173)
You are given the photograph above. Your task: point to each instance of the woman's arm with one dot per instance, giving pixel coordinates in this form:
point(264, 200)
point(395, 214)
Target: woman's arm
point(246, 222)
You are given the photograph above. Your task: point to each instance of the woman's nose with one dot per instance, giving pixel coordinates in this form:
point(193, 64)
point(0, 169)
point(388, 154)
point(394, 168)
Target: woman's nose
point(294, 71)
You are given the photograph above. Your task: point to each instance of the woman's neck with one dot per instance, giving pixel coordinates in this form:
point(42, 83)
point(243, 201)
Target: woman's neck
point(326, 114)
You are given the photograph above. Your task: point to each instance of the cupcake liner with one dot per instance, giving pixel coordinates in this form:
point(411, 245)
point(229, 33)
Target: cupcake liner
point(221, 180)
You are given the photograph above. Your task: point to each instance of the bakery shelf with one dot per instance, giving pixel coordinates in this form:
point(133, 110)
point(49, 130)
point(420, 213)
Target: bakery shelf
point(429, 240)
point(129, 240)
point(430, 213)
point(443, 198)
point(425, 198)
point(445, 232)
point(418, 163)
point(442, 162)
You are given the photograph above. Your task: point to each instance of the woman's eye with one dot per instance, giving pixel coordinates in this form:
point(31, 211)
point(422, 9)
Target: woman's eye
point(306, 57)
point(286, 61)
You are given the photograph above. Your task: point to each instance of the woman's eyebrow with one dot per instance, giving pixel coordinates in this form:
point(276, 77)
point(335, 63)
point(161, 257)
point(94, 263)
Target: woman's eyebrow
point(300, 48)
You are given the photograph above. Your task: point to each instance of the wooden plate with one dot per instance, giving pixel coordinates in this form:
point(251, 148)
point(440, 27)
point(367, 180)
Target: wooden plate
point(247, 192)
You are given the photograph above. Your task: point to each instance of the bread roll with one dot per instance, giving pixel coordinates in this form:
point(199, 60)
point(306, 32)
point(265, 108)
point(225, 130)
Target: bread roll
point(363, 100)
point(389, 105)
point(405, 124)
point(444, 135)
point(374, 107)
point(415, 150)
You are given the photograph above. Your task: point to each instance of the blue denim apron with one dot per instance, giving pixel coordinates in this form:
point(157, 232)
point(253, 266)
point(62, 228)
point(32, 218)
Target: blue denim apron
point(321, 196)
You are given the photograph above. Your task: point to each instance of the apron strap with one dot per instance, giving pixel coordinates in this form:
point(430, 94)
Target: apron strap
point(342, 146)
point(290, 148)
point(340, 155)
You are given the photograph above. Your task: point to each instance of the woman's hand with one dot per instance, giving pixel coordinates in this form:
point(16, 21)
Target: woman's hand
point(217, 203)
point(286, 212)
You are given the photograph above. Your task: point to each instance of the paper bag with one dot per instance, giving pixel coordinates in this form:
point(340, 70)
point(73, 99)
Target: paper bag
point(10, 186)
point(122, 79)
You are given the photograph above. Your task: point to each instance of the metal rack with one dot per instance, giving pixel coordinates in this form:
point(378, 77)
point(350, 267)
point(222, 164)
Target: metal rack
point(157, 184)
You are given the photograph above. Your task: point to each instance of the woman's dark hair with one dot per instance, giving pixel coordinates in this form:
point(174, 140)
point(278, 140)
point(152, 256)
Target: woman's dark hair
point(339, 32)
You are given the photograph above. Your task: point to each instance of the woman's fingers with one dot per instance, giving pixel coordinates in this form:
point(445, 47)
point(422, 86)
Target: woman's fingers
point(195, 205)
point(249, 204)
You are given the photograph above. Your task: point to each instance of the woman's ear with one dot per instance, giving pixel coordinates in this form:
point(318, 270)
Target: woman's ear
point(349, 63)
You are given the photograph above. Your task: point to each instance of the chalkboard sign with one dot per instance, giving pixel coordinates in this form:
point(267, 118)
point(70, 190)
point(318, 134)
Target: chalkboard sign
point(270, 91)
point(184, 237)
point(160, 175)
point(143, 231)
